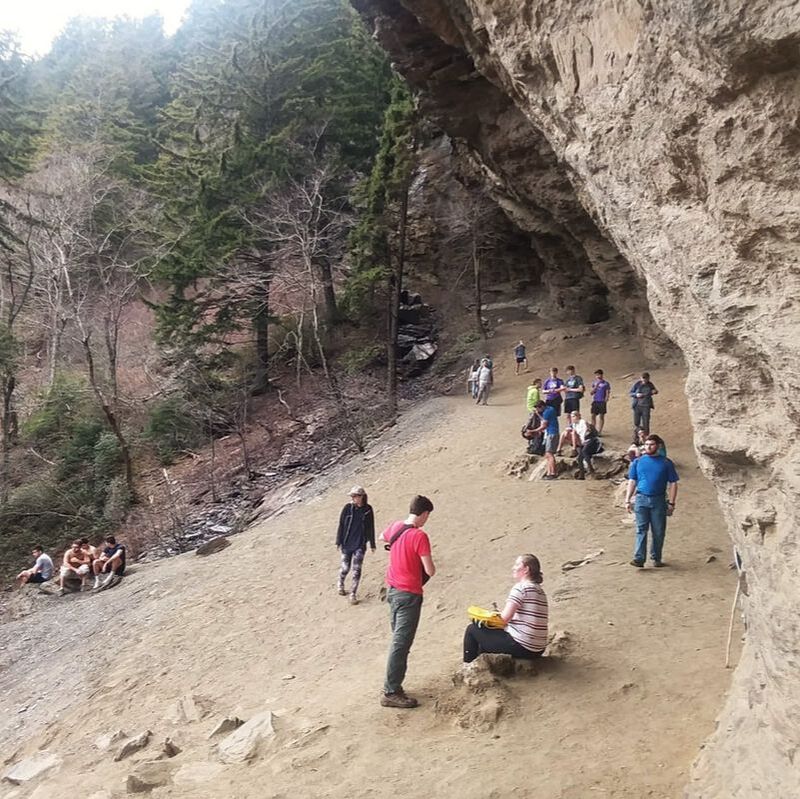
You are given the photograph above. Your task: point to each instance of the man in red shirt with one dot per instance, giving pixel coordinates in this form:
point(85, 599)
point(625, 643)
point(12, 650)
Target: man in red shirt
point(410, 563)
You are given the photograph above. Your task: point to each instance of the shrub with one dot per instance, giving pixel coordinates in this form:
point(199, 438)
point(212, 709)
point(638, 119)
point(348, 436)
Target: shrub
point(172, 426)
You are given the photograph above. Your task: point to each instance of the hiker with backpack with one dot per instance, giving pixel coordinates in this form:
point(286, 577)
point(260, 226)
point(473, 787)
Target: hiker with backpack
point(410, 566)
point(356, 530)
point(524, 618)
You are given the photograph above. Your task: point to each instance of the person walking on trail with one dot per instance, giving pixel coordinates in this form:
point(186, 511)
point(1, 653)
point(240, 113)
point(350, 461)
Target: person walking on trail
point(553, 388)
point(472, 378)
point(40, 572)
point(520, 358)
point(651, 493)
point(485, 383)
point(534, 394)
point(525, 615)
point(356, 530)
point(642, 393)
point(575, 388)
point(601, 395)
point(410, 566)
point(549, 428)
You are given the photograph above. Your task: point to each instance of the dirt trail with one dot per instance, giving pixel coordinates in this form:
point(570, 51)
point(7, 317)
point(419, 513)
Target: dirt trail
point(259, 626)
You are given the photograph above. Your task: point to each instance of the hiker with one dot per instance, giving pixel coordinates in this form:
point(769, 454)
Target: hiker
point(485, 383)
point(356, 530)
point(110, 562)
point(531, 433)
point(525, 615)
point(591, 445)
point(534, 394)
point(410, 565)
point(520, 358)
point(574, 391)
point(642, 393)
point(575, 432)
point(553, 388)
point(650, 477)
point(75, 565)
point(41, 571)
point(549, 428)
point(472, 378)
point(601, 396)
point(636, 449)
point(489, 361)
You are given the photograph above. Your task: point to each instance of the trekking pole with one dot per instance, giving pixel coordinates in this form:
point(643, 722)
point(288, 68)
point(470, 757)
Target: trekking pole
point(738, 563)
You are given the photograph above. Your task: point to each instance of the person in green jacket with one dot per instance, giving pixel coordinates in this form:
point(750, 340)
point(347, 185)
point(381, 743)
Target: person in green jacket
point(534, 394)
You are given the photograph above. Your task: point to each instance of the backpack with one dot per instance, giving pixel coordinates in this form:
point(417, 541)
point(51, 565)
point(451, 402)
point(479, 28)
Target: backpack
point(387, 547)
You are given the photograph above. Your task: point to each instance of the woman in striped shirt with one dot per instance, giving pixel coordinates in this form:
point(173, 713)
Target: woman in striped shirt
point(525, 616)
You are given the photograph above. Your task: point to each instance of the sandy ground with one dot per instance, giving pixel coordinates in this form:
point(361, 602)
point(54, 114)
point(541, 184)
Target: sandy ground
point(260, 626)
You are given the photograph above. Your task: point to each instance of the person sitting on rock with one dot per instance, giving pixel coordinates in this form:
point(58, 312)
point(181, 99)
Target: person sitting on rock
point(591, 445)
point(41, 571)
point(575, 432)
point(525, 615)
point(636, 449)
point(111, 563)
point(75, 566)
point(356, 530)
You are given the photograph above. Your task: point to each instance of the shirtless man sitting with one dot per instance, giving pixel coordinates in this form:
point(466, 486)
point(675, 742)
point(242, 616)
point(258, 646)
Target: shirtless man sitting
point(110, 562)
point(76, 564)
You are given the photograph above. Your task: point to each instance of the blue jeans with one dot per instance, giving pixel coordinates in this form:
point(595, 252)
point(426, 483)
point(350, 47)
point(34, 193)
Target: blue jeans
point(651, 512)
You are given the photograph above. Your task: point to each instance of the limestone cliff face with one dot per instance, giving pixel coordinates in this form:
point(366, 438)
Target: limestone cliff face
point(658, 143)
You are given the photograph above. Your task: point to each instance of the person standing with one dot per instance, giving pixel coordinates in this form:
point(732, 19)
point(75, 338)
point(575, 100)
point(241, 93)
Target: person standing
point(553, 391)
point(575, 389)
point(485, 383)
point(601, 395)
point(534, 394)
point(651, 493)
point(520, 358)
point(356, 530)
point(549, 428)
point(642, 393)
point(41, 571)
point(472, 378)
point(410, 565)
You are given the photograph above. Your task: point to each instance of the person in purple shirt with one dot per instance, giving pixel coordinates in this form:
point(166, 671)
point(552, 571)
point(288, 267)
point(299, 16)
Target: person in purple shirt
point(553, 390)
point(601, 394)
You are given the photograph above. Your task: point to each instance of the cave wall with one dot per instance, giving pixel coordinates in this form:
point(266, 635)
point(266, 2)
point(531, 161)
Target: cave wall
point(661, 141)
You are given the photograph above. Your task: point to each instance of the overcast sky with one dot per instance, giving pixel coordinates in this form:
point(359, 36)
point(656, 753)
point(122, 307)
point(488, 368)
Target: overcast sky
point(38, 22)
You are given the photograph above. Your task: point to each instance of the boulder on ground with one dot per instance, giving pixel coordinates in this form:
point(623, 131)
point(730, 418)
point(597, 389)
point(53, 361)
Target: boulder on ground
point(133, 745)
point(149, 775)
point(227, 724)
point(212, 546)
point(243, 744)
point(559, 644)
point(31, 767)
point(106, 741)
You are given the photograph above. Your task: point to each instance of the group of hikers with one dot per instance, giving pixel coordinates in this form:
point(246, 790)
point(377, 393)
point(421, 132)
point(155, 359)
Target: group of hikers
point(520, 629)
point(81, 561)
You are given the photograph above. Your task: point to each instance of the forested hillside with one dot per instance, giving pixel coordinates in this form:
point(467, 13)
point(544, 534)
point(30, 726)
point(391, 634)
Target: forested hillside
point(183, 218)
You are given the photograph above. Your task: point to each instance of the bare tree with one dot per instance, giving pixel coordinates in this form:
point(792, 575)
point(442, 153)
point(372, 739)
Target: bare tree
point(470, 236)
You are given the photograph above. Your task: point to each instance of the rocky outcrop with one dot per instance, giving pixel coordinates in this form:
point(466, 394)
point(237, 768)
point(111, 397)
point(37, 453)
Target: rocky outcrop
point(659, 143)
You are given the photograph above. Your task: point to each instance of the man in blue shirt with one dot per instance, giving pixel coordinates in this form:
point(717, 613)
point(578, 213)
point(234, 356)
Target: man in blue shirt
point(549, 428)
point(654, 481)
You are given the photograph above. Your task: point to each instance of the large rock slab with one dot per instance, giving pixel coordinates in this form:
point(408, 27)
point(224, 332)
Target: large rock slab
point(32, 767)
point(243, 744)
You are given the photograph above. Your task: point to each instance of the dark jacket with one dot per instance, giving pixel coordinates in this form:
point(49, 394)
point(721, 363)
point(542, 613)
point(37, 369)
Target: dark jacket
point(356, 528)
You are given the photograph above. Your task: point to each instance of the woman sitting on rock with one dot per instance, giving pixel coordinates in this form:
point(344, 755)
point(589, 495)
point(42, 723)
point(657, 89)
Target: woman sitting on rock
point(525, 616)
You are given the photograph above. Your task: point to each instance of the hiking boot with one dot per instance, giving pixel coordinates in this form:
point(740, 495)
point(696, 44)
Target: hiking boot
point(659, 564)
point(580, 476)
point(638, 563)
point(353, 599)
point(341, 590)
point(550, 477)
point(61, 591)
point(399, 699)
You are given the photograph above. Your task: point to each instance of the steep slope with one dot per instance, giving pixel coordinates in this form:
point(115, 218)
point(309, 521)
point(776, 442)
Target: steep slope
point(663, 139)
point(259, 625)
